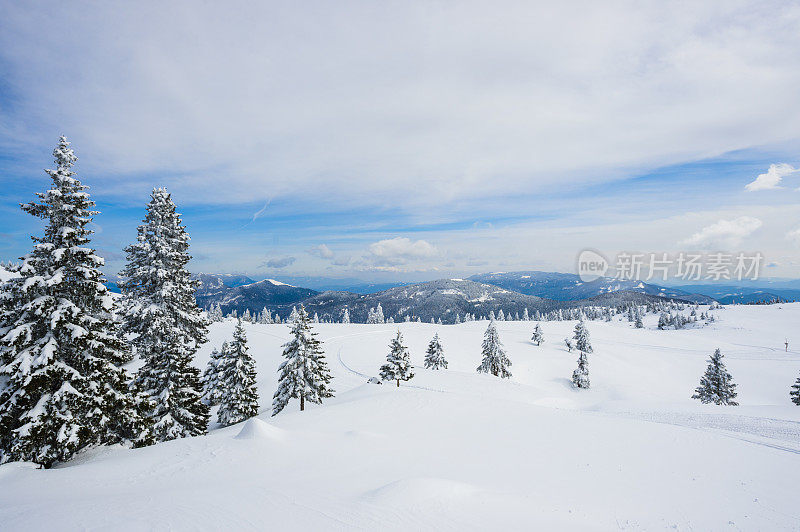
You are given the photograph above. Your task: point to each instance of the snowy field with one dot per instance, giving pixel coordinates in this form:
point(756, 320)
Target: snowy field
point(454, 450)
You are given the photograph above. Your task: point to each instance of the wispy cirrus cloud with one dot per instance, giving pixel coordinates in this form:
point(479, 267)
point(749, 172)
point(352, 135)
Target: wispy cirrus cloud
point(259, 213)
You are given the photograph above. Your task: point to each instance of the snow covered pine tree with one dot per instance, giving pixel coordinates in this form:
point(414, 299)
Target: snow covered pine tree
point(304, 374)
point(638, 320)
point(434, 356)
point(717, 385)
point(580, 377)
point(581, 337)
point(538, 336)
point(60, 350)
point(494, 360)
point(398, 362)
point(211, 375)
point(236, 381)
point(795, 393)
point(168, 327)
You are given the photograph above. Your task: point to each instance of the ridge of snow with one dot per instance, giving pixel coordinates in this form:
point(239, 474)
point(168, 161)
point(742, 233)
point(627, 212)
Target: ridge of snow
point(278, 283)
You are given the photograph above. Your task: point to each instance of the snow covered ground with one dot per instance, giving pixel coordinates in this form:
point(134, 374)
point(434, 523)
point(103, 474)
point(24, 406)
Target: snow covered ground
point(454, 450)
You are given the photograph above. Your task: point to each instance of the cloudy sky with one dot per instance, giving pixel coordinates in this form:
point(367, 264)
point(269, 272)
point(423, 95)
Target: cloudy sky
point(412, 140)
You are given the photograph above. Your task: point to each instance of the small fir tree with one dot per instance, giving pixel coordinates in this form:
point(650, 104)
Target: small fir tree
point(236, 379)
point(581, 337)
point(538, 336)
point(211, 376)
point(398, 362)
point(494, 360)
point(434, 356)
point(717, 385)
point(580, 377)
point(304, 374)
point(795, 393)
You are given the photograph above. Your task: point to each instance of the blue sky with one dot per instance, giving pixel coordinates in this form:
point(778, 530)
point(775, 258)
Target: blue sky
point(416, 140)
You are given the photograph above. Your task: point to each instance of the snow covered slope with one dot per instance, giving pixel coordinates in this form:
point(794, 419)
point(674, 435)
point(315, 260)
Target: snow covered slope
point(454, 450)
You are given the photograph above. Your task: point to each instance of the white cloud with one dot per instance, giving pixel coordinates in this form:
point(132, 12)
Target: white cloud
point(278, 263)
point(794, 236)
point(322, 251)
point(772, 178)
point(372, 106)
point(724, 234)
point(400, 250)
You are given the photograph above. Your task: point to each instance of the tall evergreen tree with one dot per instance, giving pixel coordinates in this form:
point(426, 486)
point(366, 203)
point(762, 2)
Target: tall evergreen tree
point(166, 324)
point(717, 385)
point(580, 377)
point(494, 360)
point(236, 381)
point(434, 356)
point(581, 337)
point(538, 336)
point(398, 362)
point(304, 374)
point(61, 384)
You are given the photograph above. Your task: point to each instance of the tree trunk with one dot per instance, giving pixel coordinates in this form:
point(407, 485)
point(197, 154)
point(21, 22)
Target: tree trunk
point(398, 383)
point(302, 402)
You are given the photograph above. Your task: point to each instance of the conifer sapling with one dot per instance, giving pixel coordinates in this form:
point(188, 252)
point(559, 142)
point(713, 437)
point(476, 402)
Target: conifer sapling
point(434, 356)
point(716, 385)
point(398, 362)
point(494, 359)
point(538, 336)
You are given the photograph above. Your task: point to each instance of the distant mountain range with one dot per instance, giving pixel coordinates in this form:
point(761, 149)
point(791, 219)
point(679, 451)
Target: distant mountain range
point(253, 296)
point(481, 294)
point(569, 287)
point(729, 294)
point(446, 298)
